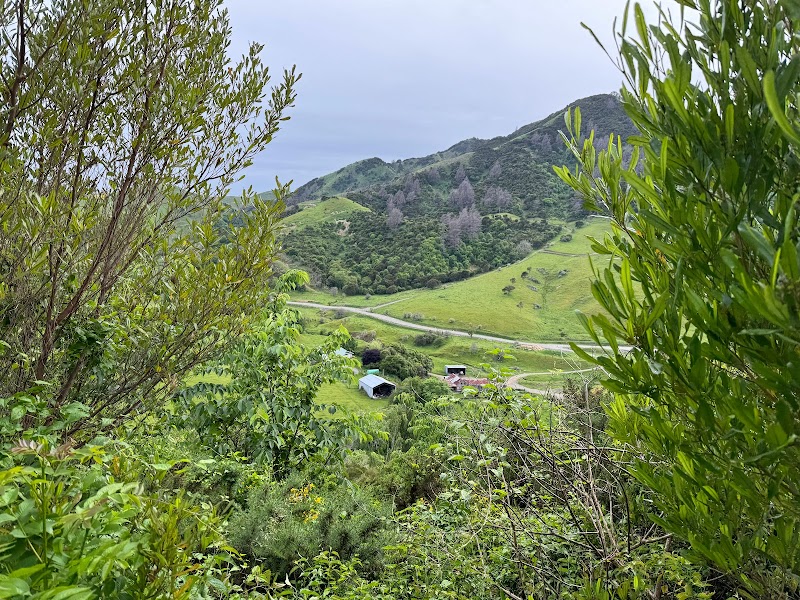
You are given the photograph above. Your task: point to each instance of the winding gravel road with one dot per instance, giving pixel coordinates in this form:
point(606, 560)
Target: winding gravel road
point(367, 312)
point(513, 382)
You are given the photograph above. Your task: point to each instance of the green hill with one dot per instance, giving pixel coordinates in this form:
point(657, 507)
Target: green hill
point(475, 207)
point(332, 210)
point(541, 306)
point(520, 163)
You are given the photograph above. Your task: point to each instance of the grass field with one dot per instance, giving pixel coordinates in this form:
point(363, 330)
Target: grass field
point(541, 307)
point(348, 396)
point(455, 350)
point(554, 380)
point(332, 209)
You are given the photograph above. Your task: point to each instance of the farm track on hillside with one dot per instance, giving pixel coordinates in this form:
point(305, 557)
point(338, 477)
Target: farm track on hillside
point(526, 344)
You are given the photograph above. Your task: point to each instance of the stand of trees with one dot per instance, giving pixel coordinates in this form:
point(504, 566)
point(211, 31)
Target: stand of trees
point(374, 259)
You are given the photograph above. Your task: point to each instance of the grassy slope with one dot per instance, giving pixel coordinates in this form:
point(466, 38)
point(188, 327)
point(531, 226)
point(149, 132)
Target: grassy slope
point(333, 209)
point(479, 304)
point(456, 350)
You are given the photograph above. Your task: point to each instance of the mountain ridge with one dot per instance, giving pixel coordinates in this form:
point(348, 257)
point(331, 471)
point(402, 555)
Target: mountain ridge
point(477, 206)
point(374, 171)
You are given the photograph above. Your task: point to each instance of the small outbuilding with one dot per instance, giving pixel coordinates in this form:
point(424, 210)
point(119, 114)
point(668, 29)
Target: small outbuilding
point(344, 352)
point(457, 383)
point(376, 387)
point(455, 370)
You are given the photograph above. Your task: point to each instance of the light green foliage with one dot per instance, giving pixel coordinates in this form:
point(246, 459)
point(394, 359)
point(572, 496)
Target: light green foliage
point(122, 127)
point(330, 210)
point(107, 139)
point(77, 524)
point(422, 390)
point(706, 223)
point(266, 409)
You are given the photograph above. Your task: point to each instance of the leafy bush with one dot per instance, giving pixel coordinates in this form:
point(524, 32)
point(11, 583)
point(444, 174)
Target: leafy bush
point(703, 281)
point(430, 338)
point(403, 362)
point(78, 524)
point(267, 410)
point(423, 389)
point(286, 521)
point(371, 356)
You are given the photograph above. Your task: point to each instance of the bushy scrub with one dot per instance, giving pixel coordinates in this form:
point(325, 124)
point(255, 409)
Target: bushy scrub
point(403, 362)
point(423, 389)
point(82, 524)
point(297, 518)
point(430, 338)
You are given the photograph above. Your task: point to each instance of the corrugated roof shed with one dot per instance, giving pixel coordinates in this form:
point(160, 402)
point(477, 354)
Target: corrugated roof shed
point(373, 380)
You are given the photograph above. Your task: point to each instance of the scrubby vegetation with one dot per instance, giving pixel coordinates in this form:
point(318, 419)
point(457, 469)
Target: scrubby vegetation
point(372, 258)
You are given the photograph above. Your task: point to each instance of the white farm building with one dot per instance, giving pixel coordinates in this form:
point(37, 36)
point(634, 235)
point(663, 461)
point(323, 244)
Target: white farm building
point(376, 387)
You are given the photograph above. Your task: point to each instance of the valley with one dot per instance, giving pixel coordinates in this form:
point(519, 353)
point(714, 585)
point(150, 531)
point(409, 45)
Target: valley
point(549, 285)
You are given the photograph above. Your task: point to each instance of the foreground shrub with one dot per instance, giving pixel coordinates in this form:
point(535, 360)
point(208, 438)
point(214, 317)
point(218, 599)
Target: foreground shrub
point(702, 279)
point(285, 522)
point(77, 524)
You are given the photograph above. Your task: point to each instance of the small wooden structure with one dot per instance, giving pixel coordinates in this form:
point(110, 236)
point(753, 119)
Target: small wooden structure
point(455, 369)
point(376, 387)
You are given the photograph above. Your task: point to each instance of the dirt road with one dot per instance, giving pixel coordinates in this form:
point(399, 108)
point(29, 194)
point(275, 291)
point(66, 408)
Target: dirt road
point(367, 312)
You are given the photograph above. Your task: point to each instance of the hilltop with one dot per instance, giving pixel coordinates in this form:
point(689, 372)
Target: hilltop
point(520, 163)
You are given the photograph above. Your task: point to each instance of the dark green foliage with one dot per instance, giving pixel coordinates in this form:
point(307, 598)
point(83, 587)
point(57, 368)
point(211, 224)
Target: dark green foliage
point(430, 338)
point(371, 356)
point(372, 259)
point(296, 518)
point(402, 362)
point(433, 284)
point(702, 277)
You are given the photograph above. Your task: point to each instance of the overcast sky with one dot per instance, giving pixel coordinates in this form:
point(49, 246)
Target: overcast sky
point(403, 78)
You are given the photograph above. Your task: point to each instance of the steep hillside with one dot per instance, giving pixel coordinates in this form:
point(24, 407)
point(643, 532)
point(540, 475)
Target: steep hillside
point(477, 206)
point(520, 163)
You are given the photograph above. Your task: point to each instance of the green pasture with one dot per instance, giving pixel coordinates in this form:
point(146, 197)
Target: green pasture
point(332, 209)
point(541, 307)
point(560, 273)
point(455, 350)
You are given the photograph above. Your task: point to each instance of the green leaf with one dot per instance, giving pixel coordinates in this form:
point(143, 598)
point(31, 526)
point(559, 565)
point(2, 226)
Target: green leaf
point(748, 69)
point(775, 108)
point(13, 586)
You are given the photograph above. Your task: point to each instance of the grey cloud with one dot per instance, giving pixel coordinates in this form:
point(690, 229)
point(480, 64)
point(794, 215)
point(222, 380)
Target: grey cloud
point(399, 78)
